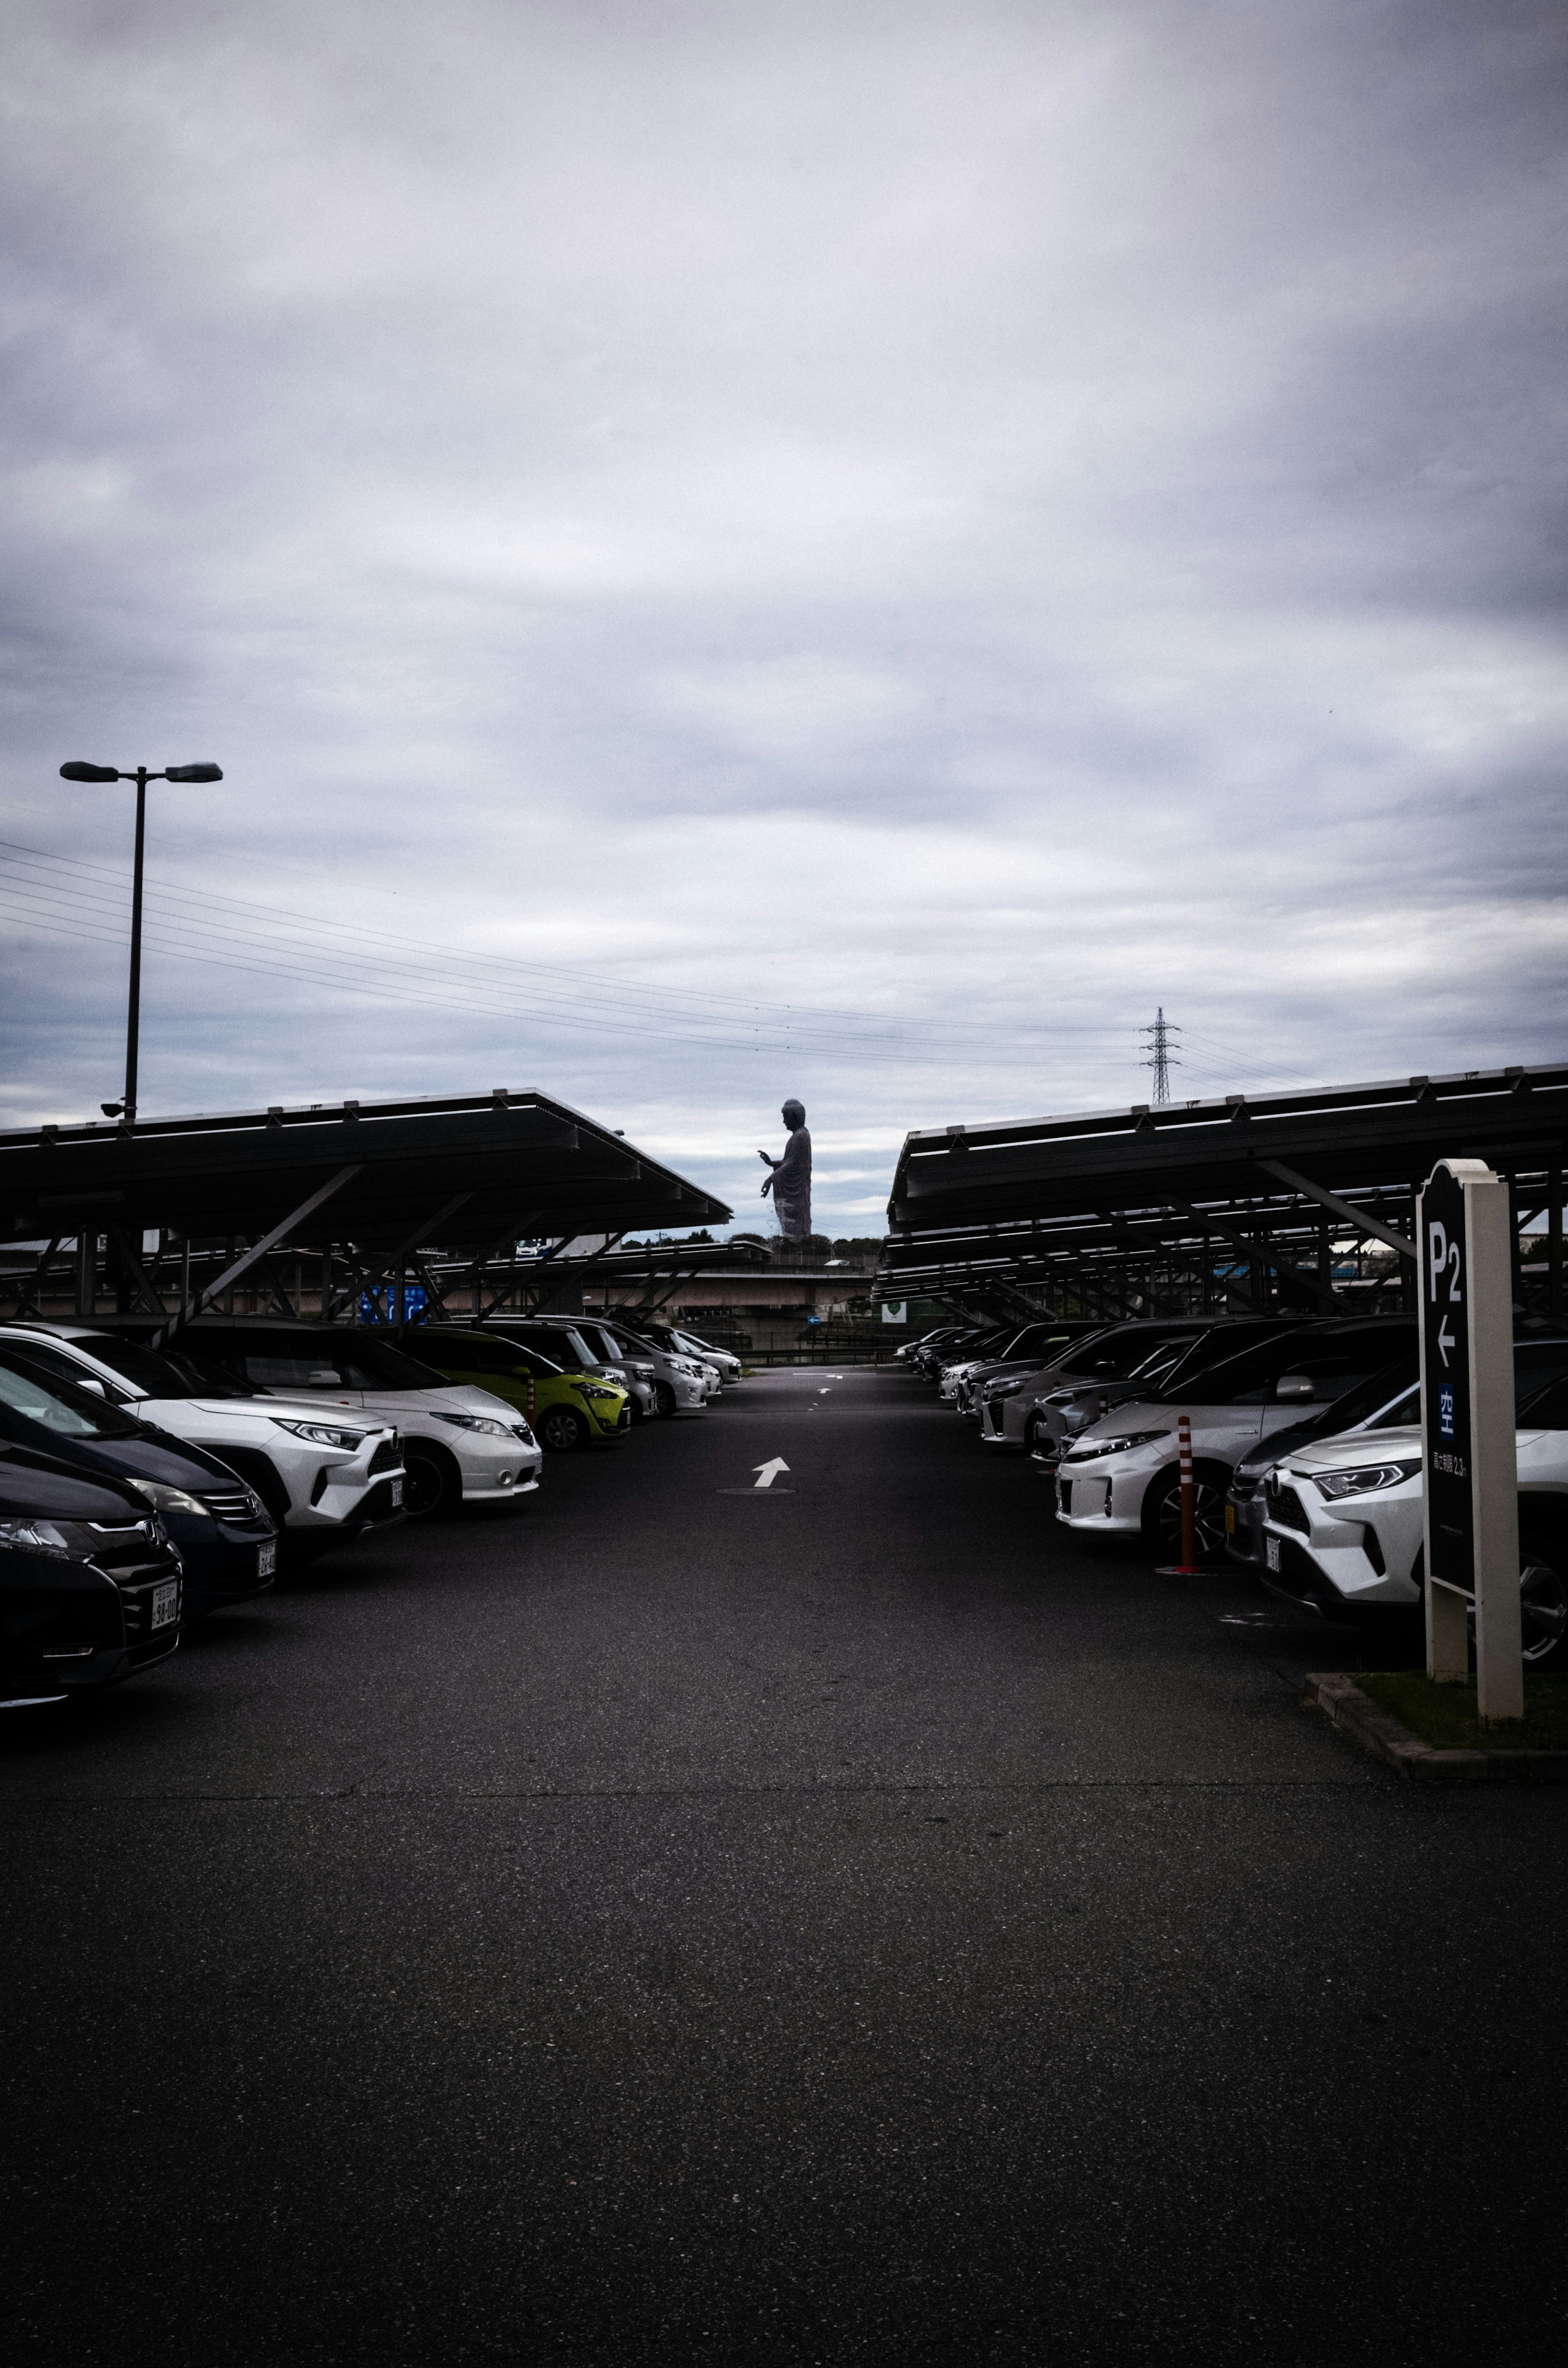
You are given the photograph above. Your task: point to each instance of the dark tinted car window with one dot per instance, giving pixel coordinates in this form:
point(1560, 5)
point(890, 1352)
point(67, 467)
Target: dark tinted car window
point(462, 1353)
point(38, 1396)
point(1333, 1359)
point(525, 1356)
point(311, 1359)
point(162, 1376)
point(558, 1344)
point(1546, 1408)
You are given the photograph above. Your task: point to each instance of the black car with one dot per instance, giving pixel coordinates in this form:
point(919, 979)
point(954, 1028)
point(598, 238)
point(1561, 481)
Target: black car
point(224, 1537)
point(89, 1583)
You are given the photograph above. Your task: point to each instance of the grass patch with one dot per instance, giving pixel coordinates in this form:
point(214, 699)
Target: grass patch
point(1445, 1716)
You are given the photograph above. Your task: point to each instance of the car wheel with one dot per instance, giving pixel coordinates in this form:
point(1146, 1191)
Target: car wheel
point(1543, 1601)
point(1161, 1516)
point(432, 1485)
point(562, 1431)
point(664, 1397)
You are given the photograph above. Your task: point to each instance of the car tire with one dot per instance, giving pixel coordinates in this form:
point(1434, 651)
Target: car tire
point(1543, 1597)
point(665, 1398)
point(561, 1430)
point(432, 1487)
point(1161, 1513)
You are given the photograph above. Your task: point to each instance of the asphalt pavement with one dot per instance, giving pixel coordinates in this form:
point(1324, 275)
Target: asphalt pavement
point(849, 1920)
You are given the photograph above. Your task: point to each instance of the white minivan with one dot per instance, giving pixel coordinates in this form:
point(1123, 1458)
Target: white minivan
point(461, 1445)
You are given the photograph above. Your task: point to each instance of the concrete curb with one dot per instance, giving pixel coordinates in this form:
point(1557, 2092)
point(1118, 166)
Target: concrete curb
point(1377, 1731)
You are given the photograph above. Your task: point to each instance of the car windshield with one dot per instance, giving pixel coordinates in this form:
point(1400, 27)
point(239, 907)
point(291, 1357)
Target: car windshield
point(161, 1373)
point(1333, 1359)
point(1116, 1356)
point(59, 1406)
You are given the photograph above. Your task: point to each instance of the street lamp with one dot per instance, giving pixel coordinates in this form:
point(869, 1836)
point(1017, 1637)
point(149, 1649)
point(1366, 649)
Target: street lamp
point(80, 772)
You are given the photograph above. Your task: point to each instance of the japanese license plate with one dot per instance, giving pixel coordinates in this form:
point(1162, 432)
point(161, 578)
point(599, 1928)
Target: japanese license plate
point(1271, 1552)
point(266, 1559)
point(166, 1603)
point(397, 1493)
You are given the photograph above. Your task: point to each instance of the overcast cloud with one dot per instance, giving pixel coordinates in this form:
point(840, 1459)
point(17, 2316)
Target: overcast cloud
point(870, 545)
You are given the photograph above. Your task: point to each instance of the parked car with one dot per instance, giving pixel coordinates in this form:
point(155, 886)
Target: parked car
point(1343, 1520)
point(568, 1410)
point(1120, 1476)
point(218, 1527)
point(1032, 1348)
point(89, 1582)
point(687, 1344)
point(948, 1347)
point(1388, 1401)
point(1044, 1412)
point(578, 1345)
point(323, 1479)
point(679, 1384)
point(462, 1446)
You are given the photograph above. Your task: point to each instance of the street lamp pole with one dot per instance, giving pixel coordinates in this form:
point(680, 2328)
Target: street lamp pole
point(141, 776)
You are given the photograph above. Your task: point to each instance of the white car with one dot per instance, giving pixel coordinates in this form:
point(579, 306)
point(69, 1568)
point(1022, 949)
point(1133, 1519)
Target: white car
point(322, 1478)
point(1342, 1525)
point(687, 1344)
point(1120, 1477)
point(461, 1445)
point(679, 1383)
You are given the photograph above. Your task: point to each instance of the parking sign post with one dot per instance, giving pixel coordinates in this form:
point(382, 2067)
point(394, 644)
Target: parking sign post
point(1468, 1462)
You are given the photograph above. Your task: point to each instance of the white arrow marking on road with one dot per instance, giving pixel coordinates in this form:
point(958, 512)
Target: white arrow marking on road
point(824, 1394)
point(1445, 1339)
point(767, 1473)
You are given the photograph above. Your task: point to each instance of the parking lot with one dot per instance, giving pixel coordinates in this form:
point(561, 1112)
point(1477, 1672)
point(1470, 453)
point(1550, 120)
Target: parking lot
point(857, 1919)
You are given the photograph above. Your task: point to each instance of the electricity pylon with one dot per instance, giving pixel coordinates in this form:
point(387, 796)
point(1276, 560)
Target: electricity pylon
point(1162, 1058)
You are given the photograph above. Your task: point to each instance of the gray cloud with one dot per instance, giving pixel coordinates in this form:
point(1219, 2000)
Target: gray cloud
point(985, 519)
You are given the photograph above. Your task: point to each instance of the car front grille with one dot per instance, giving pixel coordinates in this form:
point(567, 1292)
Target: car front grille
point(1285, 1507)
point(388, 1456)
point(231, 1504)
point(999, 1417)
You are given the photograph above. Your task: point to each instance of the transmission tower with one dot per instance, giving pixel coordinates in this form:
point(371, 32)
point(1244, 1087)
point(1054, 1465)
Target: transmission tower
point(1162, 1059)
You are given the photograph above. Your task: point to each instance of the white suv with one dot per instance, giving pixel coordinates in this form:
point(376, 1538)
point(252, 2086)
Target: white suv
point(461, 1445)
point(1343, 1523)
point(322, 1478)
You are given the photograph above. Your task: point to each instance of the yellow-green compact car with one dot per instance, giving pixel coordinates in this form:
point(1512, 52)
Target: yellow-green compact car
point(567, 1410)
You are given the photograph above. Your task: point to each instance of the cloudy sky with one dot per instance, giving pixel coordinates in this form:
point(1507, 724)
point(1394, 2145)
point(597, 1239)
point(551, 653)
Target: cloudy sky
point(738, 549)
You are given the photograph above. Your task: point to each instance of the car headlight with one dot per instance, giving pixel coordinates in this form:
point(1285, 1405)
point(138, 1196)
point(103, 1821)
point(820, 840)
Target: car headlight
point(480, 1423)
point(39, 1537)
point(1002, 1389)
point(1114, 1446)
point(321, 1434)
point(1366, 1479)
point(596, 1390)
point(165, 1499)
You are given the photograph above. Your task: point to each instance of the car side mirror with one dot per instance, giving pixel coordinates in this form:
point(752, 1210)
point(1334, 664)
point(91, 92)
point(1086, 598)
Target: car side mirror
point(1295, 1389)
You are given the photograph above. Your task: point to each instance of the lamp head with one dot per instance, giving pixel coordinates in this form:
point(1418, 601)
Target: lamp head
point(193, 773)
point(80, 772)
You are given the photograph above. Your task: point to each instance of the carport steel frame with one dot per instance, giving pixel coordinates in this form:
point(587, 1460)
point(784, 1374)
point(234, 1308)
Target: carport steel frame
point(1083, 1206)
point(374, 1182)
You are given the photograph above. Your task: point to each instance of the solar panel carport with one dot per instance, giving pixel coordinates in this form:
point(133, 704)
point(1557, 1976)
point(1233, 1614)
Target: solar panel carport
point(1112, 1212)
point(368, 1185)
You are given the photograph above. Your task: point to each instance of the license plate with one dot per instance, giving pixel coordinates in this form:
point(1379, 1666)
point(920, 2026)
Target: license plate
point(266, 1560)
point(397, 1493)
point(165, 1604)
point(1229, 1521)
point(1271, 1553)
